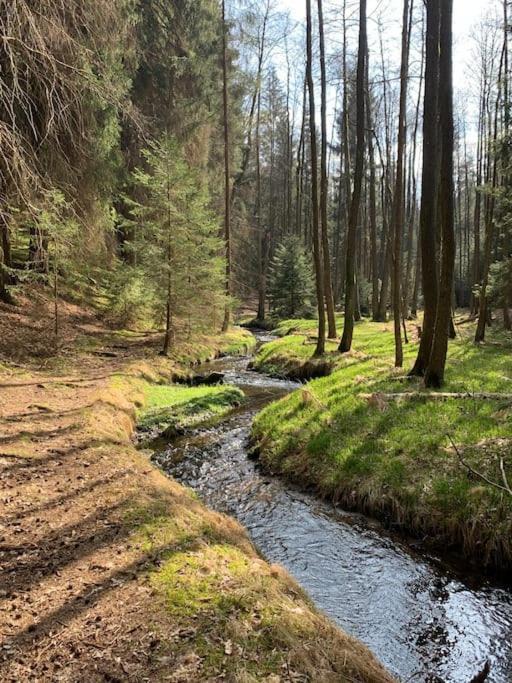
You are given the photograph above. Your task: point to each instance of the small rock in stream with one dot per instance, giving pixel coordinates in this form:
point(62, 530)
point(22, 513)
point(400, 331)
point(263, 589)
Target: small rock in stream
point(207, 380)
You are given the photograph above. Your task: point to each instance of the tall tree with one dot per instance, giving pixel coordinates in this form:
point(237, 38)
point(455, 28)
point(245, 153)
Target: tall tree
point(324, 188)
point(350, 285)
point(227, 169)
point(317, 244)
point(430, 175)
point(398, 203)
point(435, 371)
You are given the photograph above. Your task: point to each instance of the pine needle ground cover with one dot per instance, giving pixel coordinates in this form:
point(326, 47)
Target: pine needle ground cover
point(370, 439)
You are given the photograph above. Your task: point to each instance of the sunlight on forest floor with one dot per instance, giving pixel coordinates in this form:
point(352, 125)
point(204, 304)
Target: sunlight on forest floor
point(394, 456)
point(117, 572)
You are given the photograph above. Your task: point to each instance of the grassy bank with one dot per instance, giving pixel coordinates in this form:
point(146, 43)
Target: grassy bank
point(291, 355)
point(369, 439)
point(236, 342)
point(169, 409)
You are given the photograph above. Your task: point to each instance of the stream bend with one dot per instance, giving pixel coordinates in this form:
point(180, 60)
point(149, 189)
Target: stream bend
point(423, 619)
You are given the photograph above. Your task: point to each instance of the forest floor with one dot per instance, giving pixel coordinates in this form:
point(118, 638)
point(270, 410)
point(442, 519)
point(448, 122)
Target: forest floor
point(110, 570)
point(371, 439)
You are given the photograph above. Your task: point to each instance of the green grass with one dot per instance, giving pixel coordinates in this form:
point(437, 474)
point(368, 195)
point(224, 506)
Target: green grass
point(235, 342)
point(395, 458)
point(173, 408)
point(221, 612)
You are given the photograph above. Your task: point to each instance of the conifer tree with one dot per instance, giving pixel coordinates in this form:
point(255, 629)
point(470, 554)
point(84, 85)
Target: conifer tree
point(176, 237)
point(291, 281)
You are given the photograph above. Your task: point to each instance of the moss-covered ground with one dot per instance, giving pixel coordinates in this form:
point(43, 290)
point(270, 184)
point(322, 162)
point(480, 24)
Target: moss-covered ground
point(400, 458)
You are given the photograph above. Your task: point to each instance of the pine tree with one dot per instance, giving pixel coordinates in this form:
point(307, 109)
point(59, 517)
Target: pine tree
point(291, 281)
point(176, 242)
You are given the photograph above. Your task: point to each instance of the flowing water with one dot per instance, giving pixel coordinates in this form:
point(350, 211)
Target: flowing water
point(425, 619)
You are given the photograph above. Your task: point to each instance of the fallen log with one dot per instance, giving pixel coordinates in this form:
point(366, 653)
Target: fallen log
point(437, 396)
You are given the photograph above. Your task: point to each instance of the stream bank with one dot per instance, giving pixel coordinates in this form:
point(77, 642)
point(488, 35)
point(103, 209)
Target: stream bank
point(425, 619)
point(114, 572)
point(373, 440)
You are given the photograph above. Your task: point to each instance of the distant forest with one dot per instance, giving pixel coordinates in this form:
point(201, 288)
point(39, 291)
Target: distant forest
point(157, 157)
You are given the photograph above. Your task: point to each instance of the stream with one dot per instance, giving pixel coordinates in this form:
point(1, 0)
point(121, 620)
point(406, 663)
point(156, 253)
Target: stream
point(425, 618)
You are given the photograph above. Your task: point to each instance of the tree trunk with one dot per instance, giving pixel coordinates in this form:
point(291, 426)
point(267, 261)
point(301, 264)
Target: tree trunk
point(350, 286)
point(227, 170)
point(435, 372)
point(484, 312)
point(246, 154)
point(169, 326)
point(398, 206)
point(329, 297)
point(261, 240)
point(374, 259)
point(317, 246)
point(430, 175)
point(5, 260)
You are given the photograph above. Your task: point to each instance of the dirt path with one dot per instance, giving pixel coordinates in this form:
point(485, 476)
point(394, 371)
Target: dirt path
point(72, 594)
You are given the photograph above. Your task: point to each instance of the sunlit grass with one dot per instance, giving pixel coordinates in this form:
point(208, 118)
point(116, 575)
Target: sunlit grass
point(340, 435)
point(180, 407)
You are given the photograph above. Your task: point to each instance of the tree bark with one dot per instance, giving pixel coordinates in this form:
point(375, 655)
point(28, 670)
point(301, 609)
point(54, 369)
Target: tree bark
point(317, 246)
point(350, 286)
point(329, 297)
point(435, 372)
point(398, 206)
point(227, 170)
point(484, 313)
point(430, 175)
point(5, 260)
point(246, 154)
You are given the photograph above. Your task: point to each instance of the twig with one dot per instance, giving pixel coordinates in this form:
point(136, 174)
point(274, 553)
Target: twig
point(506, 487)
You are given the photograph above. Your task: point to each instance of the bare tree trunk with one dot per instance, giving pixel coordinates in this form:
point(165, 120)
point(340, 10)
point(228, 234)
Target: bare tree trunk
point(261, 240)
point(478, 204)
point(430, 175)
point(484, 312)
point(227, 170)
point(435, 372)
point(387, 198)
point(413, 240)
point(5, 260)
point(246, 154)
point(300, 165)
point(507, 320)
point(398, 206)
point(350, 287)
point(373, 214)
point(329, 298)
point(317, 246)
point(169, 326)
point(346, 153)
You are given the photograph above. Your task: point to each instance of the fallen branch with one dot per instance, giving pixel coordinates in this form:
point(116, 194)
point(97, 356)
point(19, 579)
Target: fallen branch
point(438, 396)
point(505, 487)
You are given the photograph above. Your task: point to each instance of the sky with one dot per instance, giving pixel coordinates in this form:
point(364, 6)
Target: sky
point(467, 13)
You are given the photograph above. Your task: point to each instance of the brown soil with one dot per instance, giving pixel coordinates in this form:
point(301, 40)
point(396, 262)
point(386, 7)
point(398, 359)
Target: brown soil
point(76, 599)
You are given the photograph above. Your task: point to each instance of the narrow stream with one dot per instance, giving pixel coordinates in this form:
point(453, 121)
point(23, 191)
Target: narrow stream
point(425, 620)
